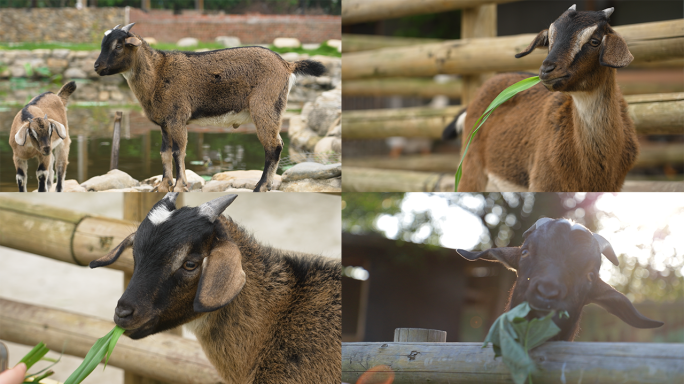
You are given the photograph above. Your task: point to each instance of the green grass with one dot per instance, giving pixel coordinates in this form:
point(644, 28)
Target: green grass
point(324, 49)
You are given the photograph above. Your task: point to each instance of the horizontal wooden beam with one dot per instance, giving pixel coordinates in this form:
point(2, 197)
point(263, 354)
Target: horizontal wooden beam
point(416, 87)
point(455, 363)
point(361, 11)
point(652, 115)
point(648, 42)
point(65, 235)
point(164, 357)
point(357, 43)
point(364, 179)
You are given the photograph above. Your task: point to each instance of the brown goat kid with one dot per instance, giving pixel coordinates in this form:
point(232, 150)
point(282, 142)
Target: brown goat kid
point(38, 130)
point(227, 87)
point(571, 132)
point(558, 269)
point(262, 316)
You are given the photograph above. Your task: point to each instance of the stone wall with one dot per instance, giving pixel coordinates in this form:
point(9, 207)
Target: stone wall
point(87, 25)
point(68, 25)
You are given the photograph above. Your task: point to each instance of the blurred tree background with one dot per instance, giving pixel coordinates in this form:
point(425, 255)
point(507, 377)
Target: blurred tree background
point(308, 7)
point(651, 270)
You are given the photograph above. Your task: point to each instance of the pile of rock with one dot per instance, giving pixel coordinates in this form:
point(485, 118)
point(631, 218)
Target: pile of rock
point(318, 129)
point(305, 177)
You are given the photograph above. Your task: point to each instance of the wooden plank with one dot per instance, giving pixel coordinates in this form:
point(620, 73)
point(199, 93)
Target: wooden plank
point(652, 115)
point(163, 357)
point(357, 43)
point(421, 335)
point(648, 42)
point(361, 11)
point(417, 87)
point(626, 363)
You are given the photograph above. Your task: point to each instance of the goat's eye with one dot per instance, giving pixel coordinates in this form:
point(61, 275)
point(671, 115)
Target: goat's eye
point(525, 253)
point(594, 42)
point(190, 265)
point(590, 276)
point(118, 46)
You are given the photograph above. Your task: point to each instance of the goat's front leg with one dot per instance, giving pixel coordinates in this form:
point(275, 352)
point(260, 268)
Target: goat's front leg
point(167, 162)
point(21, 166)
point(61, 162)
point(43, 172)
point(180, 142)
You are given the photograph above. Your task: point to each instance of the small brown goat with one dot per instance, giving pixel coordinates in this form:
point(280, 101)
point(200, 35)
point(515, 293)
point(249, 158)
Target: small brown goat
point(227, 87)
point(571, 132)
point(262, 316)
point(558, 269)
point(40, 128)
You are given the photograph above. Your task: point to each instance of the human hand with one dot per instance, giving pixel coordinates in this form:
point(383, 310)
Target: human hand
point(14, 375)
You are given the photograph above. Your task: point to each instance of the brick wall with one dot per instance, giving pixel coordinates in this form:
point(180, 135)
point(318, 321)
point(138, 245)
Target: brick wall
point(88, 25)
point(251, 29)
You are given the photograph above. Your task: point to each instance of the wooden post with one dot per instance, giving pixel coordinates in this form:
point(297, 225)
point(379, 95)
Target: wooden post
point(199, 5)
point(136, 207)
point(145, 5)
point(116, 139)
point(476, 22)
point(419, 335)
point(82, 158)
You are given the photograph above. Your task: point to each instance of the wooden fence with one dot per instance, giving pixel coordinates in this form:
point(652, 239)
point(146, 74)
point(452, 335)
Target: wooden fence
point(382, 66)
point(79, 238)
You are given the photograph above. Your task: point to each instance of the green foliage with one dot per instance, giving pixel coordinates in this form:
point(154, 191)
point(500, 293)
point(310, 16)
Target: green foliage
point(444, 25)
point(360, 210)
point(324, 50)
point(504, 96)
point(513, 336)
point(102, 348)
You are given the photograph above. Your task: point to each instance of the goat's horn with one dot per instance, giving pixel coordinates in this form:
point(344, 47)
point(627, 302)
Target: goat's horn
point(606, 248)
point(117, 26)
point(536, 225)
point(214, 208)
point(171, 196)
point(45, 117)
point(573, 8)
point(128, 27)
point(608, 11)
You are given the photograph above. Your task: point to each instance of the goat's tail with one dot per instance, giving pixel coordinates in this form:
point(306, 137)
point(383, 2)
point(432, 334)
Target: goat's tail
point(66, 91)
point(455, 127)
point(309, 67)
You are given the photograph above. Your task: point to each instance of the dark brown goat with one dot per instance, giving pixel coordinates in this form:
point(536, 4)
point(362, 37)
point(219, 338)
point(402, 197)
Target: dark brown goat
point(227, 87)
point(261, 315)
point(571, 132)
point(38, 130)
point(558, 269)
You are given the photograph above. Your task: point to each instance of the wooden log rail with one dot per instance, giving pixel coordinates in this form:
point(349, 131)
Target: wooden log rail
point(76, 238)
point(648, 42)
point(361, 11)
point(558, 362)
point(661, 113)
point(360, 179)
point(164, 357)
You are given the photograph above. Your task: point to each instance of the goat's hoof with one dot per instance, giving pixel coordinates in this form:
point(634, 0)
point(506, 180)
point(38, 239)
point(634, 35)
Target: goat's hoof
point(178, 188)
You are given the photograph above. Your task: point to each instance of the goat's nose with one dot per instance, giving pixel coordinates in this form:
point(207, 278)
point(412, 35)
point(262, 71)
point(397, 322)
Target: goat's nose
point(547, 67)
point(123, 311)
point(97, 64)
point(548, 290)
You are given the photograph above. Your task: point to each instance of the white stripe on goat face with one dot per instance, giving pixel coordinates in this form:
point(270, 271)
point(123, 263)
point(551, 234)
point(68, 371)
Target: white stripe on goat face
point(582, 38)
point(159, 215)
point(179, 257)
point(551, 35)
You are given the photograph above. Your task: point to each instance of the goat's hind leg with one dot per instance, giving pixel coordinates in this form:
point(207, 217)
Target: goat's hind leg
point(21, 166)
point(61, 162)
point(166, 184)
point(269, 136)
point(180, 143)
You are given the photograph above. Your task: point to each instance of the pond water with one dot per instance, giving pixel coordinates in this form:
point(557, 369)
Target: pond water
point(209, 150)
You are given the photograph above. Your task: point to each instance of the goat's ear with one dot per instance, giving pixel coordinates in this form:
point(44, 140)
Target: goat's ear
point(508, 256)
point(20, 136)
point(114, 254)
point(222, 278)
point(619, 305)
point(59, 127)
point(133, 41)
point(614, 51)
point(542, 40)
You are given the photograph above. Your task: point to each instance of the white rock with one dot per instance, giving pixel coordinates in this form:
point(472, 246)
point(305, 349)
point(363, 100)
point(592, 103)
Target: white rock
point(328, 145)
point(228, 41)
point(195, 181)
point(310, 170)
point(310, 47)
point(114, 179)
point(187, 42)
point(150, 40)
point(75, 73)
point(287, 42)
point(335, 43)
point(313, 185)
point(291, 56)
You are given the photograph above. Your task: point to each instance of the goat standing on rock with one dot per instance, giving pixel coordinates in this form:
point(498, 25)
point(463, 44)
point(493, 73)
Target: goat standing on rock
point(227, 87)
point(38, 130)
point(558, 269)
point(262, 316)
point(572, 132)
